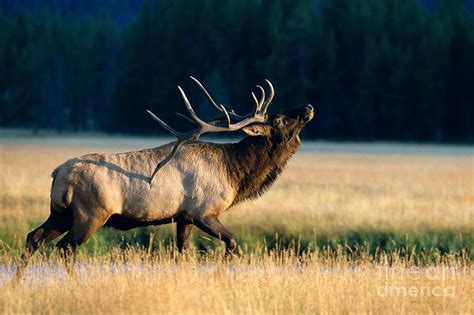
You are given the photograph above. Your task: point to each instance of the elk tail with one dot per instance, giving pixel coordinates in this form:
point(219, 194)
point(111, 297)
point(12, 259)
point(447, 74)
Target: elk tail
point(61, 193)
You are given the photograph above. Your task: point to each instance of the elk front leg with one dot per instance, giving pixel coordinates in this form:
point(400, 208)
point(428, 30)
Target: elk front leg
point(183, 230)
point(213, 227)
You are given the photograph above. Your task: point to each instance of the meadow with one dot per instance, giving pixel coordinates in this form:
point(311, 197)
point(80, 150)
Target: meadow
point(346, 228)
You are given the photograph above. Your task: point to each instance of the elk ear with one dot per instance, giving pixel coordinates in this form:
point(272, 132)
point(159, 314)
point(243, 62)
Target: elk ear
point(257, 130)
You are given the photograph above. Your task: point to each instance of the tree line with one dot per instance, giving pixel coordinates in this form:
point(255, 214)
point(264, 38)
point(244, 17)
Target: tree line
point(374, 69)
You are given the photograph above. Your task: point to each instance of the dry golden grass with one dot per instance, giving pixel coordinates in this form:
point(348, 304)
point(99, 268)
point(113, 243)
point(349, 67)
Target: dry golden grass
point(132, 283)
point(326, 187)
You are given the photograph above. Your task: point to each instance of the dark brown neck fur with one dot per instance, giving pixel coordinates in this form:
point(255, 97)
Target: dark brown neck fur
point(255, 163)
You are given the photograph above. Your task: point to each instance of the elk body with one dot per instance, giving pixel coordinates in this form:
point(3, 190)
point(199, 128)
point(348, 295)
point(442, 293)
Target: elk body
point(193, 184)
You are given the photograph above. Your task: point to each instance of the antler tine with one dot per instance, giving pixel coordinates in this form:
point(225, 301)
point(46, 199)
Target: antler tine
point(165, 125)
point(211, 100)
point(270, 98)
point(226, 115)
point(262, 99)
point(234, 114)
point(257, 104)
point(190, 108)
point(209, 97)
point(163, 162)
point(185, 117)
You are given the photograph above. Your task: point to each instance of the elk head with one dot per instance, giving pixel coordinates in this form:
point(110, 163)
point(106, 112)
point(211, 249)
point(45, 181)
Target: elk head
point(283, 128)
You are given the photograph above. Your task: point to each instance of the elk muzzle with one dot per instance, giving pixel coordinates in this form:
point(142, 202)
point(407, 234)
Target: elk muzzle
point(309, 112)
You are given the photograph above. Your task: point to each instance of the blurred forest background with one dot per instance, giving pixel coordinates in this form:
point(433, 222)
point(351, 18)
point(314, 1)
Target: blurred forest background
point(374, 69)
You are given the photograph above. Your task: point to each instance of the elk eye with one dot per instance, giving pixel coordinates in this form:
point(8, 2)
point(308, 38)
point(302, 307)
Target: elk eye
point(279, 122)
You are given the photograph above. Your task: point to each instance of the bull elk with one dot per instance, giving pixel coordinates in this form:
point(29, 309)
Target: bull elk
point(188, 181)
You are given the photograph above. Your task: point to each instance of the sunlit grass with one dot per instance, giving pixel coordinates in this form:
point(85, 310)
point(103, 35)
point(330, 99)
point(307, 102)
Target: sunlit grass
point(135, 281)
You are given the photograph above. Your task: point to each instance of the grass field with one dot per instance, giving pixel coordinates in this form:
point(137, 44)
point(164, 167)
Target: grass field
point(346, 228)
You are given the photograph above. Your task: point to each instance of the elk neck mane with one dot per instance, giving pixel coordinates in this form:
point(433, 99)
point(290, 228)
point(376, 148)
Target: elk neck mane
point(254, 164)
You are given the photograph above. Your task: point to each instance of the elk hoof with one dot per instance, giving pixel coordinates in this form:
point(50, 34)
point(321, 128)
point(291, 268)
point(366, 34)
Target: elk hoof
point(231, 246)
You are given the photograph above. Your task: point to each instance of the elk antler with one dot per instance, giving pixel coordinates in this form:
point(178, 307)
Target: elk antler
point(259, 115)
point(212, 102)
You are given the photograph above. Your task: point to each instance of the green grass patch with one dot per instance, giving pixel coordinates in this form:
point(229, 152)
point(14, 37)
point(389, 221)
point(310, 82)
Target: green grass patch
point(422, 243)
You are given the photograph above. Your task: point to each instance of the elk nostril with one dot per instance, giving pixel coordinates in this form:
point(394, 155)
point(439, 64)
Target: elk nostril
point(309, 107)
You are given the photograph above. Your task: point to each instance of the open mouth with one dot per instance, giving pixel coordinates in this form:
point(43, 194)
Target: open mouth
point(309, 115)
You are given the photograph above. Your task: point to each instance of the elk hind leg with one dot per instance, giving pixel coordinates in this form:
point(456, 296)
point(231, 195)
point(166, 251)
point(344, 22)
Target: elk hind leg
point(53, 227)
point(81, 230)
